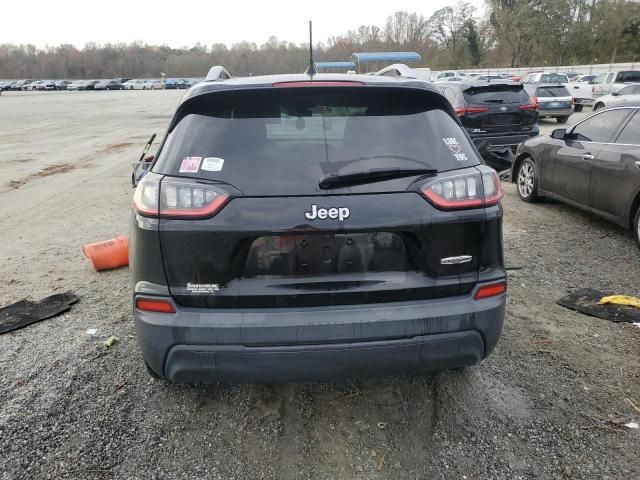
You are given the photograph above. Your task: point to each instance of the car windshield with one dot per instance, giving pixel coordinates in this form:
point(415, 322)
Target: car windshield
point(284, 141)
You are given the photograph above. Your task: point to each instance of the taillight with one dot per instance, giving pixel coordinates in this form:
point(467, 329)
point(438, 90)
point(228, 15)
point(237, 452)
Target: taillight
point(531, 106)
point(468, 110)
point(177, 198)
point(145, 198)
point(159, 306)
point(456, 192)
point(491, 290)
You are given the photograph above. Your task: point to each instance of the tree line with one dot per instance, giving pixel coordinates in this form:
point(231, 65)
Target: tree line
point(511, 33)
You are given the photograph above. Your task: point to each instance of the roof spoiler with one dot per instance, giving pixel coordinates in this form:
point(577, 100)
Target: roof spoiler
point(216, 73)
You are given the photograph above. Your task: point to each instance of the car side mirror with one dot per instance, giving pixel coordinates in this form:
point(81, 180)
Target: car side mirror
point(615, 94)
point(559, 133)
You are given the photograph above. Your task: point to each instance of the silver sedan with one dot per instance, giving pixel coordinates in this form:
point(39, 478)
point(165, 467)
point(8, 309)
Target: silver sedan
point(629, 95)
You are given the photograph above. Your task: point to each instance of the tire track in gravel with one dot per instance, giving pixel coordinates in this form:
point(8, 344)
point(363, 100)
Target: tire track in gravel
point(296, 446)
point(378, 428)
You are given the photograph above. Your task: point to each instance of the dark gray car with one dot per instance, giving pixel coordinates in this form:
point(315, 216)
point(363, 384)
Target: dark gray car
point(594, 165)
point(299, 227)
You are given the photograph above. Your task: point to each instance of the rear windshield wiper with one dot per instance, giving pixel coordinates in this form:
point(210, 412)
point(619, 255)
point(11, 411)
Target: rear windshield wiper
point(494, 100)
point(334, 180)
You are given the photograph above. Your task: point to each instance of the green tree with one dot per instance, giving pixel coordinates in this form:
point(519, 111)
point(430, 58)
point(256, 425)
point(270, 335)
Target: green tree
point(473, 42)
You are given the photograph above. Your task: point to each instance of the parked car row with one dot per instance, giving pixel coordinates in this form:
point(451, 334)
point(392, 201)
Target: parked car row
point(114, 84)
point(453, 76)
point(496, 115)
point(584, 88)
point(593, 165)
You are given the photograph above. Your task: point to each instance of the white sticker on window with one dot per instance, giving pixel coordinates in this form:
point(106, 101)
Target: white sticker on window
point(455, 148)
point(202, 287)
point(190, 164)
point(212, 164)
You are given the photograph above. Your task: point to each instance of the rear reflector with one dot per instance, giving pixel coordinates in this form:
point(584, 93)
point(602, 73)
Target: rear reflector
point(319, 83)
point(160, 306)
point(492, 290)
point(457, 192)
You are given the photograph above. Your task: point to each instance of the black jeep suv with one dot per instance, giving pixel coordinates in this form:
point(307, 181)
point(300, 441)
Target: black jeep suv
point(298, 227)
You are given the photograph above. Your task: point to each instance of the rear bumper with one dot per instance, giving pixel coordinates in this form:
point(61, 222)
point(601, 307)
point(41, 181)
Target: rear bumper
point(500, 141)
point(548, 112)
point(319, 343)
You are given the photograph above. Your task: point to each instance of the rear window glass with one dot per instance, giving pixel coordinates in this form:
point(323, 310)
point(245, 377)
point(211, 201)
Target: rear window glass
point(631, 76)
point(496, 94)
point(552, 92)
point(553, 78)
point(284, 141)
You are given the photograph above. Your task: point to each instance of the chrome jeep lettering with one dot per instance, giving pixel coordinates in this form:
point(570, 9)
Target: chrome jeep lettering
point(339, 213)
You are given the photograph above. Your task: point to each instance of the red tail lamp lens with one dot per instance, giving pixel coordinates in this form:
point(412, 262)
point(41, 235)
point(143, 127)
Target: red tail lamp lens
point(465, 191)
point(178, 198)
point(466, 111)
point(160, 306)
point(492, 290)
point(531, 106)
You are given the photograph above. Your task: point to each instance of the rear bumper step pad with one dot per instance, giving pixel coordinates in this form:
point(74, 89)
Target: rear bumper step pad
point(238, 364)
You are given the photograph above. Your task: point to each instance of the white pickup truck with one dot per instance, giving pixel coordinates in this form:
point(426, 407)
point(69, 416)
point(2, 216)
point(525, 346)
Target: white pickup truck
point(581, 92)
point(611, 82)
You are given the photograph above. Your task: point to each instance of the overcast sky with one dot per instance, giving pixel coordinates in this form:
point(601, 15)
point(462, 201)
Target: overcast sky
point(189, 21)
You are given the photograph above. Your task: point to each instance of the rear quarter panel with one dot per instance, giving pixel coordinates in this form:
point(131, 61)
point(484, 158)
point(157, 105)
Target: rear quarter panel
point(615, 182)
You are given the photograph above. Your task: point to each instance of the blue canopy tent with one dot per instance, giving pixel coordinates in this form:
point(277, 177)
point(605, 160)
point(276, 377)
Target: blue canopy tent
point(335, 65)
point(385, 57)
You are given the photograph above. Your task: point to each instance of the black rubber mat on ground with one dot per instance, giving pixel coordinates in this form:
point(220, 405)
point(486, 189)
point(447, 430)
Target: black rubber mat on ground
point(25, 312)
point(586, 301)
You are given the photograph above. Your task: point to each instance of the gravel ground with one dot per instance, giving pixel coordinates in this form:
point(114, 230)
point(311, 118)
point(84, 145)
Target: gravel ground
point(548, 403)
